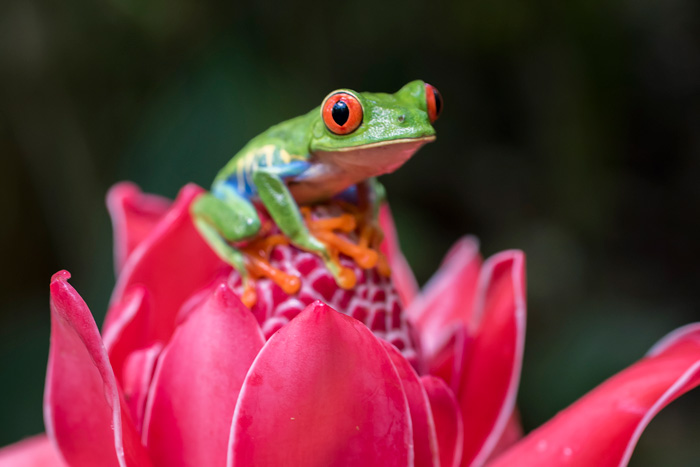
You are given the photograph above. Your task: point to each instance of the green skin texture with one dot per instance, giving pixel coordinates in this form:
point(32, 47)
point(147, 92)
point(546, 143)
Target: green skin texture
point(393, 127)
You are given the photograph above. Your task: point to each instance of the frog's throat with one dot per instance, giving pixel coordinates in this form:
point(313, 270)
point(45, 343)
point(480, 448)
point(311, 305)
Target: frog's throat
point(335, 170)
point(370, 160)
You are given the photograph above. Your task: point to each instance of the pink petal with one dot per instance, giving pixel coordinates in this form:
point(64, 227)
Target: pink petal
point(401, 274)
point(492, 373)
point(128, 330)
point(138, 374)
point(172, 263)
point(322, 392)
point(449, 363)
point(447, 418)
point(36, 451)
point(134, 215)
point(603, 427)
point(425, 444)
point(447, 300)
point(84, 411)
point(194, 391)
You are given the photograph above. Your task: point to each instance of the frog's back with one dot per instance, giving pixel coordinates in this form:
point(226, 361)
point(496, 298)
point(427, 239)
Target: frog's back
point(281, 149)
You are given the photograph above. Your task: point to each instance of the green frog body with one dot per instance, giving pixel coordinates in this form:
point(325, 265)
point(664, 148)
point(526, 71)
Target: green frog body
point(336, 149)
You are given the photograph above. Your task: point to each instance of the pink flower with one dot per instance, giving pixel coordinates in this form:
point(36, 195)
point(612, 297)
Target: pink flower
point(184, 374)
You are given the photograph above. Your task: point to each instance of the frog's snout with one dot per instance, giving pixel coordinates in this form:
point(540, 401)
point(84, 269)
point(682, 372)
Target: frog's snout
point(402, 118)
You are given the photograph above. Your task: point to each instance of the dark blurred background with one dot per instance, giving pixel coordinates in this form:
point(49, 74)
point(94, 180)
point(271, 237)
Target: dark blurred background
point(570, 131)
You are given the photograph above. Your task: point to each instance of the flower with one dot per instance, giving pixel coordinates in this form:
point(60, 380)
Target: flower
point(183, 373)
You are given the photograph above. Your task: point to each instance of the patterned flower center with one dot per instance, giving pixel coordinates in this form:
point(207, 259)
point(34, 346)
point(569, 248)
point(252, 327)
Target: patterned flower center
point(373, 300)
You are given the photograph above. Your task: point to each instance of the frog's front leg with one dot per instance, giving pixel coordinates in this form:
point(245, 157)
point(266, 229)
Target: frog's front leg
point(284, 210)
point(226, 218)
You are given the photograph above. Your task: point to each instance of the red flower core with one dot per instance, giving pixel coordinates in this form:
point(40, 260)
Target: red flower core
point(373, 300)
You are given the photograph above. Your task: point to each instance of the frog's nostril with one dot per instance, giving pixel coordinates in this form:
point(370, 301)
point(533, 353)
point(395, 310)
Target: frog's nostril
point(402, 118)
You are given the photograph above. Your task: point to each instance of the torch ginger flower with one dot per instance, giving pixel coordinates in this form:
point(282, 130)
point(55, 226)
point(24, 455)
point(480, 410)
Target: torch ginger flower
point(184, 374)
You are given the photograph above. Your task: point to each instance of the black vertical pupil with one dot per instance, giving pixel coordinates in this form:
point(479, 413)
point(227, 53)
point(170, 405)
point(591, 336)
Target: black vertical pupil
point(438, 102)
point(340, 113)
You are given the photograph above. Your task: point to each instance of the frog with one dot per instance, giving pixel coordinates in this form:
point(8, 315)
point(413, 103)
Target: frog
point(336, 150)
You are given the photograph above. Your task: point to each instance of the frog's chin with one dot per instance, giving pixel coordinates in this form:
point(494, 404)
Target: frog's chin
point(335, 170)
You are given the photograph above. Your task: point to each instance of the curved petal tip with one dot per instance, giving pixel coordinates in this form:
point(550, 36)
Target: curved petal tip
point(688, 334)
point(61, 275)
point(134, 216)
point(83, 409)
point(603, 427)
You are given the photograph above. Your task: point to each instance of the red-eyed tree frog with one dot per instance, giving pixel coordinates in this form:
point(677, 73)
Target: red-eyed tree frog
point(336, 149)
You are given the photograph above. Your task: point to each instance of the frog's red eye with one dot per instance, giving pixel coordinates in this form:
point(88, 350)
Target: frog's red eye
point(434, 101)
point(342, 113)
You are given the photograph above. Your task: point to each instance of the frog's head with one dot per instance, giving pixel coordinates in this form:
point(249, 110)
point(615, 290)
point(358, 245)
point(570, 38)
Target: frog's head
point(367, 134)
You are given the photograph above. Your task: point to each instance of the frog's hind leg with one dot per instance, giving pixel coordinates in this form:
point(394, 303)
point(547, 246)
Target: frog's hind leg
point(221, 221)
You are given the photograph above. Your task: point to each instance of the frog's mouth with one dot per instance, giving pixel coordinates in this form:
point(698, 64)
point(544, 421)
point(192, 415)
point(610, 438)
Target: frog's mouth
point(335, 170)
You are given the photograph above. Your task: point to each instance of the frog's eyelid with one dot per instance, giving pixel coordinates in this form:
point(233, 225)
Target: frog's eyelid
point(338, 91)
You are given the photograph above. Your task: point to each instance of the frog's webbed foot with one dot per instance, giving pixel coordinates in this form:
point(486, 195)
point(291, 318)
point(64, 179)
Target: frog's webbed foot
point(318, 236)
point(371, 237)
point(257, 259)
point(365, 252)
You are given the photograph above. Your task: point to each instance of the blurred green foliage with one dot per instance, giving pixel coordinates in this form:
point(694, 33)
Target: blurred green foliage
point(570, 131)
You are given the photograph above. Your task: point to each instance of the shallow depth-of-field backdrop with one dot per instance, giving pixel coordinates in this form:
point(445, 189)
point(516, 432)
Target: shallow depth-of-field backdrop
point(571, 130)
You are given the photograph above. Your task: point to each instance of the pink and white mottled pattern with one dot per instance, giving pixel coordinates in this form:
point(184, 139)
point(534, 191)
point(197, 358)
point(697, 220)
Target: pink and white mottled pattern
point(374, 300)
